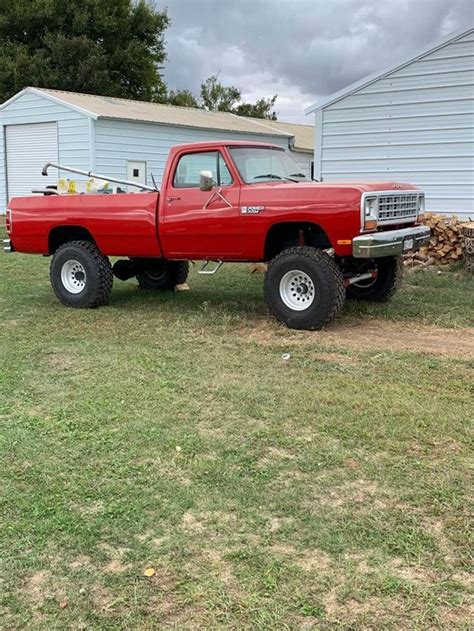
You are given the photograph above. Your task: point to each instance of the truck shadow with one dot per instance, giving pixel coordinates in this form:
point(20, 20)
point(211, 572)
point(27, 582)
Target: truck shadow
point(236, 301)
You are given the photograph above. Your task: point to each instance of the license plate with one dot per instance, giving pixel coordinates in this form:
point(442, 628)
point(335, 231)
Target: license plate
point(408, 244)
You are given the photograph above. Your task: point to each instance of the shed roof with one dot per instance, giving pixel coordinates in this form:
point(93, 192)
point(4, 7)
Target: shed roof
point(143, 111)
point(365, 81)
point(303, 135)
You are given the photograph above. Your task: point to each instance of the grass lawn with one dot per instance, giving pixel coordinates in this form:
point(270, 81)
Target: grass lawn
point(165, 431)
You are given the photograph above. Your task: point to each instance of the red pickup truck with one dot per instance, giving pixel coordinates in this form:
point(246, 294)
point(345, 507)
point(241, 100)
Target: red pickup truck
point(228, 202)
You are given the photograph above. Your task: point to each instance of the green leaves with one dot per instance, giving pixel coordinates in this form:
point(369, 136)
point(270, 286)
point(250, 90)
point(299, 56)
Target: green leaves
point(113, 48)
point(217, 97)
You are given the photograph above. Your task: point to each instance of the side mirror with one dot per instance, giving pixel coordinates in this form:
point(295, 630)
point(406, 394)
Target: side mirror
point(205, 181)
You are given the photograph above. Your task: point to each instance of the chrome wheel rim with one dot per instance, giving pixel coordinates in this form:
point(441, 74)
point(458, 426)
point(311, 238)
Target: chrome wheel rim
point(297, 290)
point(73, 276)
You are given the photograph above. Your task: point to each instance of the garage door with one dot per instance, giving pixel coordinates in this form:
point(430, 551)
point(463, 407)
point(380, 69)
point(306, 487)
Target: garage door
point(28, 147)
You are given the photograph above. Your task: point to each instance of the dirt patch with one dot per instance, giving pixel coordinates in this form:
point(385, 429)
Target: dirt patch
point(116, 567)
point(60, 360)
point(282, 550)
point(336, 358)
point(353, 612)
point(371, 334)
point(35, 587)
point(102, 598)
point(280, 454)
point(81, 561)
point(313, 560)
point(277, 523)
point(115, 564)
point(357, 492)
point(190, 522)
point(222, 567)
point(308, 560)
point(90, 509)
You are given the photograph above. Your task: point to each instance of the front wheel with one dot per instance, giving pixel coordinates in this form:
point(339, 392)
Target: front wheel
point(81, 276)
point(162, 274)
point(304, 288)
point(388, 275)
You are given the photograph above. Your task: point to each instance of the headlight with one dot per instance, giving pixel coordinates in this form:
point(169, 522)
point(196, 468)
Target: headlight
point(370, 213)
point(421, 208)
point(370, 205)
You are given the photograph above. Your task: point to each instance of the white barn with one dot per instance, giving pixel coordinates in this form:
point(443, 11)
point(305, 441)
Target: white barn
point(413, 123)
point(116, 137)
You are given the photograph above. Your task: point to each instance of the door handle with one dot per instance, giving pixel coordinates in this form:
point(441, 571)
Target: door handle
point(172, 199)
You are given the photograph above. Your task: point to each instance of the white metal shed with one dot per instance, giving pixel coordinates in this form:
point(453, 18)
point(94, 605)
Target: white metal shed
point(413, 123)
point(117, 137)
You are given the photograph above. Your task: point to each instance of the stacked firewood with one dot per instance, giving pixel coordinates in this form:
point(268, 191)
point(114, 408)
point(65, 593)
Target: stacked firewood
point(445, 244)
point(467, 231)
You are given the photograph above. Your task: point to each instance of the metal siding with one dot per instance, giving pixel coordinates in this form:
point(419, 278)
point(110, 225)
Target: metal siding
point(303, 160)
point(414, 125)
point(73, 132)
point(3, 174)
point(116, 142)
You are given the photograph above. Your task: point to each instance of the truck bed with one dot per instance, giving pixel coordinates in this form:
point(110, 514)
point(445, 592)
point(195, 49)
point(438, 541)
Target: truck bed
point(121, 224)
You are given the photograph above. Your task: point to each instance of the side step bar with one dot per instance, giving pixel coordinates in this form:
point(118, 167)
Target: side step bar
point(203, 269)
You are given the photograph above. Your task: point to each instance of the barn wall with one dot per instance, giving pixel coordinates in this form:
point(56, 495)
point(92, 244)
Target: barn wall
point(415, 124)
point(73, 132)
point(116, 142)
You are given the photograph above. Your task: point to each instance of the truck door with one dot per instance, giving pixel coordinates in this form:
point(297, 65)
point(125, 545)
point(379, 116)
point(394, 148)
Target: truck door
point(198, 224)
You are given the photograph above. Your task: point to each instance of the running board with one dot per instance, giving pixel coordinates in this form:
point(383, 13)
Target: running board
point(203, 269)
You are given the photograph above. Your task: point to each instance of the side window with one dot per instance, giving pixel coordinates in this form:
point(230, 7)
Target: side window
point(225, 178)
point(191, 164)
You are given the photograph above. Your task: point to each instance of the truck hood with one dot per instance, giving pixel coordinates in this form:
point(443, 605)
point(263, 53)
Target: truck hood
point(362, 187)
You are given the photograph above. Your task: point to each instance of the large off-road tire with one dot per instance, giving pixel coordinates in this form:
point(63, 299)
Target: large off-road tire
point(163, 274)
point(304, 288)
point(381, 288)
point(81, 276)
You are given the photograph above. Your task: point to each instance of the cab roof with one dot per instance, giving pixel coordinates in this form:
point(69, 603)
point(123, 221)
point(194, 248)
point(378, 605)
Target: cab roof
point(216, 144)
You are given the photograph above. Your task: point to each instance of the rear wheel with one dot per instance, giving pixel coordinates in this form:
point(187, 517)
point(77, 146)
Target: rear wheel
point(388, 275)
point(81, 276)
point(304, 288)
point(162, 274)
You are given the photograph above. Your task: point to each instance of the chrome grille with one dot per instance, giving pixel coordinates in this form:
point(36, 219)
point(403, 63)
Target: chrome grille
point(396, 207)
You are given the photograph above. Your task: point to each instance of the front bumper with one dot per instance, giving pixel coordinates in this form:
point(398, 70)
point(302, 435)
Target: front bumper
point(390, 242)
point(7, 246)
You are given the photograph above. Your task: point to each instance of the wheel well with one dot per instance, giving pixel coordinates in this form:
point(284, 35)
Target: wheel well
point(287, 234)
point(62, 234)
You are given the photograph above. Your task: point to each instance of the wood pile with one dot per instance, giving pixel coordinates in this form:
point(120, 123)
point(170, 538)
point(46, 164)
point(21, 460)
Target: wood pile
point(445, 244)
point(467, 231)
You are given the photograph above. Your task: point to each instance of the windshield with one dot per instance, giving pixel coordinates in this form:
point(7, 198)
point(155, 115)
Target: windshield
point(263, 164)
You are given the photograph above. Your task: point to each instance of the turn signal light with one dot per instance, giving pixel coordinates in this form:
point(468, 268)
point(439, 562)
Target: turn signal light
point(370, 224)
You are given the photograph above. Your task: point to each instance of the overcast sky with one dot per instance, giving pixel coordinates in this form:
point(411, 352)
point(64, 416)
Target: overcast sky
point(301, 50)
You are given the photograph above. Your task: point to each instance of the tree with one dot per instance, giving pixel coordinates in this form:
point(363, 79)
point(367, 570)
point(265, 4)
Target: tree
point(263, 108)
point(217, 97)
point(110, 48)
point(184, 98)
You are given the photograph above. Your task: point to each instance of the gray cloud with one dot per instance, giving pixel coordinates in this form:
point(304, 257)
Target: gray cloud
point(302, 50)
